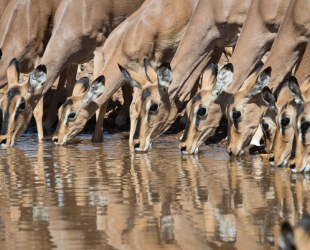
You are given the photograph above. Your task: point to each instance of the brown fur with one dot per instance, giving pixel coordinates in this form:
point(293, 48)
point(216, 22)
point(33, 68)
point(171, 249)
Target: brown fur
point(88, 33)
point(127, 47)
point(17, 103)
point(263, 19)
point(212, 85)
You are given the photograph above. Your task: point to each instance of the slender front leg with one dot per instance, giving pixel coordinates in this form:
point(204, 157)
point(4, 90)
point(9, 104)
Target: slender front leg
point(52, 114)
point(124, 113)
point(71, 78)
point(98, 134)
point(38, 114)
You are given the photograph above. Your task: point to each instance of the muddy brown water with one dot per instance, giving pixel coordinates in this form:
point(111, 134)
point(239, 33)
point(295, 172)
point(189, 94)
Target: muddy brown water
point(102, 196)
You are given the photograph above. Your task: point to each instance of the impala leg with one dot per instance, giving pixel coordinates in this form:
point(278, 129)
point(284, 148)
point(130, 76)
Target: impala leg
point(124, 113)
point(38, 113)
point(98, 136)
point(52, 114)
point(71, 78)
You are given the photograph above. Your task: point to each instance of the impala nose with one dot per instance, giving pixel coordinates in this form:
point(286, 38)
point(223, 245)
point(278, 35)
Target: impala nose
point(271, 159)
point(183, 148)
point(3, 141)
point(229, 151)
point(55, 140)
point(292, 166)
point(137, 145)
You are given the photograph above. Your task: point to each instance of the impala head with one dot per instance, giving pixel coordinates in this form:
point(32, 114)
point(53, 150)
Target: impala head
point(243, 117)
point(286, 122)
point(16, 103)
point(151, 106)
point(212, 85)
point(302, 140)
point(268, 121)
point(74, 113)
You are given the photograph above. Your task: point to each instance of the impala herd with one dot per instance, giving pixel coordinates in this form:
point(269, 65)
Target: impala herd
point(133, 41)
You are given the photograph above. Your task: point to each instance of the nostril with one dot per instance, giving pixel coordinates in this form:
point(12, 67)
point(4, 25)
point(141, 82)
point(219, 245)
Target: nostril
point(3, 141)
point(292, 166)
point(55, 140)
point(271, 158)
point(183, 148)
point(137, 145)
point(230, 153)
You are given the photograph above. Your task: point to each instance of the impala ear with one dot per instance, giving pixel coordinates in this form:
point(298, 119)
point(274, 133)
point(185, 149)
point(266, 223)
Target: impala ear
point(269, 99)
point(95, 90)
point(133, 78)
point(37, 78)
point(208, 76)
point(81, 86)
point(164, 75)
point(223, 80)
point(149, 71)
point(261, 82)
point(13, 72)
point(295, 90)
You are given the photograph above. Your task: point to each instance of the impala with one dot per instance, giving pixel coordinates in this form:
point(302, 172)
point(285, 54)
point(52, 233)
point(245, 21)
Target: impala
point(282, 59)
point(286, 122)
point(126, 47)
point(100, 17)
point(258, 33)
point(19, 101)
point(212, 85)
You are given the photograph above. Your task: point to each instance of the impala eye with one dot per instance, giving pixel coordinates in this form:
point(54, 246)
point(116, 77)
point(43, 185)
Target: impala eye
point(236, 115)
point(304, 126)
point(202, 111)
point(22, 106)
point(154, 107)
point(285, 121)
point(265, 126)
point(72, 116)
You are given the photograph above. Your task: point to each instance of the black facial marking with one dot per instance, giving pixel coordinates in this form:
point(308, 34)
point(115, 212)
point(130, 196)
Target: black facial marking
point(185, 132)
point(196, 98)
point(137, 132)
point(145, 94)
point(5, 123)
point(68, 102)
point(293, 153)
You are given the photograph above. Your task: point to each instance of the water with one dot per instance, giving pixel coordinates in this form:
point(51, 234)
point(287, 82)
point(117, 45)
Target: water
point(102, 196)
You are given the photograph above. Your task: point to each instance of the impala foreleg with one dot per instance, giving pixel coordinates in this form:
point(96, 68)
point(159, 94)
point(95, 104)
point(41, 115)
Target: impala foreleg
point(38, 114)
point(98, 136)
point(124, 113)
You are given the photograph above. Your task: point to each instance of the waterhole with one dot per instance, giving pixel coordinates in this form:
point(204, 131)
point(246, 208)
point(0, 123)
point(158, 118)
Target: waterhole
point(102, 196)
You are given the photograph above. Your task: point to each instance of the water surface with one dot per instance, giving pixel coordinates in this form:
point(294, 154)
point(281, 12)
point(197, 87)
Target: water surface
point(102, 196)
